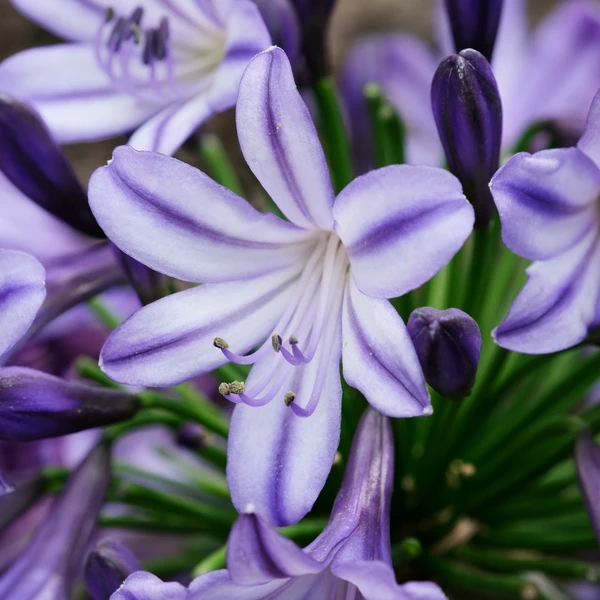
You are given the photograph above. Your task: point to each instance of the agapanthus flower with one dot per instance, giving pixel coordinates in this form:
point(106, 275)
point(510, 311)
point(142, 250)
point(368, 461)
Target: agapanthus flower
point(549, 208)
point(162, 68)
point(309, 290)
point(525, 65)
point(49, 564)
point(351, 559)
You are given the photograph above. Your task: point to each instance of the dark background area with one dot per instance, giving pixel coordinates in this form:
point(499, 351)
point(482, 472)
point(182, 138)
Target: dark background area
point(351, 18)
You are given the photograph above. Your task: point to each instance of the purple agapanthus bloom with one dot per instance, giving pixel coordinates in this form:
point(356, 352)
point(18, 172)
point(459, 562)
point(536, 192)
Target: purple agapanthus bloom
point(162, 67)
point(313, 287)
point(48, 566)
point(525, 65)
point(350, 560)
point(549, 209)
point(22, 292)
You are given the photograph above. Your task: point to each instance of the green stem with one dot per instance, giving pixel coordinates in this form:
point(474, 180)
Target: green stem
point(107, 317)
point(213, 562)
point(214, 154)
point(334, 132)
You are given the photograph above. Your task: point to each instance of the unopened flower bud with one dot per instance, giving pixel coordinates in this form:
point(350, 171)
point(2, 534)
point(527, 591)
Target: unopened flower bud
point(35, 405)
point(474, 24)
point(448, 344)
point(468, 114)
point(107, 566)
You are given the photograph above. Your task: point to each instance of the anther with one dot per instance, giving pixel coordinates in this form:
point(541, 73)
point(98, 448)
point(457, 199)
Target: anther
point(237, 387)
point(293, 339)
point(220, 343)
point(136, 33)
point(225, 389)
point(289, 398)
point(110, 14)
point(276, 342)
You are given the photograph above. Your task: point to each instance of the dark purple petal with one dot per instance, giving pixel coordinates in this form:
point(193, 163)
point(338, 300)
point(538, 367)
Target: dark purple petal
point(22, 292)
point(27, 489)
point(149, 285)
point(257, 553)
point(35, 164)
point(281, 21)
point(590, 140)
point(587, 460)
point(35, 405)
point(448, 344)
point(192, 436)
point(50, 563)
point(468, 114)
point(145, 586)
point(359, 527)
point(6, 487)
point(475, 24)
point(107, 566)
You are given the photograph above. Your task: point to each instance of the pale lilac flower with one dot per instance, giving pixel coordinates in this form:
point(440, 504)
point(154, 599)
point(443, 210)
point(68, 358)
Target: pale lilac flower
point(566, 42)
point(311, 290)
point(160, 67)
point(549, 205)
point(350, 560)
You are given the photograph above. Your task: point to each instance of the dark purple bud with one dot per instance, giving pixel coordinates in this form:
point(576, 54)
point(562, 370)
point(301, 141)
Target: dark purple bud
point(474, 24)
point(468, 114)
point(314, 18)
point(107, 566)
point(6, 486)
point(50, 563)
point(35, 164)
point(191, 436)
point(448, 344)
point(35, 405)
point(148, 284)
point(281, 21)
point(587, 461)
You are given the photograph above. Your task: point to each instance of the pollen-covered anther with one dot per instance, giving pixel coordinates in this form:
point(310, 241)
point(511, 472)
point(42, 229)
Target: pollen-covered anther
point(289, 398)
point(220, 343)
point(225, 389)
point(276, 342)
point(293, 340)
point(110, 14)
point(237, 387)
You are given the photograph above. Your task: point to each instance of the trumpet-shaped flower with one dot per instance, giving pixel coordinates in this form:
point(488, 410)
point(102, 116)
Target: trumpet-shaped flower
point(162, 67)
point(290, 297)
point(549, 205)
point(350, 560)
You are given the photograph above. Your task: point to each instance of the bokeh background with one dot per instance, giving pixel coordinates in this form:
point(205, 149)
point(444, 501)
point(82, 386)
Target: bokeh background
point(351, 18)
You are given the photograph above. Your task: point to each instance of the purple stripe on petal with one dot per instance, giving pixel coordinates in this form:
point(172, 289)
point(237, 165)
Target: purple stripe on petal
point(175, 219)
point(379, 358)
point(409, 221)
point(590, 140)
point(280, 142)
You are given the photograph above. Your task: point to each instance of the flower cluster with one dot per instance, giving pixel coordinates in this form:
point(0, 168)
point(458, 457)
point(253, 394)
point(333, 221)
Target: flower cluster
point(341, 388)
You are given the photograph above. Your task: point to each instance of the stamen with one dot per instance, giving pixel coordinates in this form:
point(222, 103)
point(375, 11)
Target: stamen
point(225, 389)
point(116, 37)
point(237, 387)
point(293, 340)
point(110, 14)
point(276, 342)
point(289, 398)
point(134, 22)
point(220, 343)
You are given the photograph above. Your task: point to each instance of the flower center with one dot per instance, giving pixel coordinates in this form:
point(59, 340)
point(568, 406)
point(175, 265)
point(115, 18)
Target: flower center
point(150, 62)
point(307, 327)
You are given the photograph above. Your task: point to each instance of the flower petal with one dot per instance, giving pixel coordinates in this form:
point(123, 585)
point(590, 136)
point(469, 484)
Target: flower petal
point(277, 461)
point(546, 201)
point(22, 292)
point(375, 581)
point(171, 340)
point(587, 460)
point(145, 586)
point(406, 221)
point(73, 95)
point(590, 140)
point(280, 142)
point(379, 358)
point(359, 525)
point(257, 553)
point(69, 19)
point(558, 304)
point(175, 219)
point(404, 66)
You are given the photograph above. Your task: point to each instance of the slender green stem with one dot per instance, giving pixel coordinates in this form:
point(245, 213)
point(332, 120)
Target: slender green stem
point(106, 316)
point(334, 133)
point(90, 370)
point(214, 154)
point(213, 562)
